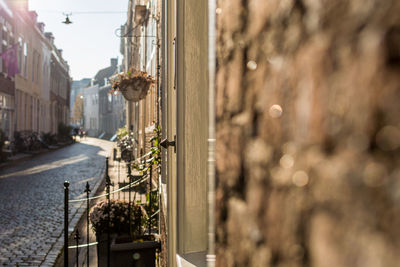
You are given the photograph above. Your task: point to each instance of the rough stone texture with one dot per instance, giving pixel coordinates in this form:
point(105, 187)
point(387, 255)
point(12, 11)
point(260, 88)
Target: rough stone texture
point(308, 133)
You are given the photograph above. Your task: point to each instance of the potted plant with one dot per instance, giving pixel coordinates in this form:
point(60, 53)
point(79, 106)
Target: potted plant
point(128, 244)
point(132, 84)
point(126, 144)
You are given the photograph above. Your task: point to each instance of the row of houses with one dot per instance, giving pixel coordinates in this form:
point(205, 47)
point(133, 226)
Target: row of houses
point(34, 77)
point(94, 105)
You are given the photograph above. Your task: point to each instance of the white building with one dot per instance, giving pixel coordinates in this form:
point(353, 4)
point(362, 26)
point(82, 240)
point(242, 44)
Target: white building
point(91, 110)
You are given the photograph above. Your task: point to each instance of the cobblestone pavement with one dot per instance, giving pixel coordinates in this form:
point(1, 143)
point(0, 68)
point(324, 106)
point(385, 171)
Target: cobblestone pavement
point(32, 200)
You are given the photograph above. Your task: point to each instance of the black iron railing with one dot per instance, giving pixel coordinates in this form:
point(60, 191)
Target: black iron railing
point(133, 181)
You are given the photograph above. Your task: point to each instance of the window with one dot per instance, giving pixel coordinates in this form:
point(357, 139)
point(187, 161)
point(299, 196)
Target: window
point(37, 114)
point(3, 65)
point(33, 65)
point(5, 36)
point(109, 104)
point(31, 109)
point(37, 68)
point(44, 72)
point(26, 60)
point(20, 48)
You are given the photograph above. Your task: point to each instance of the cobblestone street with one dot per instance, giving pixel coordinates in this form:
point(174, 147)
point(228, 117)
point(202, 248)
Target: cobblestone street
point(32, 200)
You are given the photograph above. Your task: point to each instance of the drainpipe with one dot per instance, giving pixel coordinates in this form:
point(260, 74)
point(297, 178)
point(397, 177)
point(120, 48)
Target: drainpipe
point(211, 132)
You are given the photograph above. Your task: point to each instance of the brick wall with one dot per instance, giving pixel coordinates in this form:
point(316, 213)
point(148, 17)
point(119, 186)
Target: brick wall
point(308, 130)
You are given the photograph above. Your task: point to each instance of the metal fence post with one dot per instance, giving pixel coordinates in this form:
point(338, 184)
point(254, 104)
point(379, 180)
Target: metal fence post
point(87, 191)
point(106, 167)
point(77, 237)
point(129, 197)
point(119, 161)
point(66, 192)
point(150, 195)
point(108, 184)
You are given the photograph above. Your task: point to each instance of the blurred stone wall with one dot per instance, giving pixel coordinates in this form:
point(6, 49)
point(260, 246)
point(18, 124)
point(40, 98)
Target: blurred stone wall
point(308, 133)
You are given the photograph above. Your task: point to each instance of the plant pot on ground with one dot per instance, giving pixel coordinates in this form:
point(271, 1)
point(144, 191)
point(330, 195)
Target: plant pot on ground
point(127, 252)
point(140, 252)
point(128, 245)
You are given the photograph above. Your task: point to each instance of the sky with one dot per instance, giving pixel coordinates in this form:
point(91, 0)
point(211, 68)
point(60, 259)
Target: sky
point(90, 41)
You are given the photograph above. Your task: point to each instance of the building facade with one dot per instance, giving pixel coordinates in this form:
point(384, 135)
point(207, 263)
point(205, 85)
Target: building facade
point(104, 110)
point(27, 81)
point(91, 110)
point(41, 82)
point(7, 84)
point(186, 117)
point(141, 49)
point(111, 111)
point(169, 42)
point(60, 85)
point(77, 96)
point(307, 125)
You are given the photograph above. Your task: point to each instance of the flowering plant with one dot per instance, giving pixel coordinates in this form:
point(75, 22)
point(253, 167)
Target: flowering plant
point(132, 84)
point(126, 145)
point(119, 217)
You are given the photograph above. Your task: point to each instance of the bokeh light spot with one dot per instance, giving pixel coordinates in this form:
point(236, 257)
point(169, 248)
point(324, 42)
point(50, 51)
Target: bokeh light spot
point(286, 161)
point(252, 65)
point(275, 111)
point(300, 178)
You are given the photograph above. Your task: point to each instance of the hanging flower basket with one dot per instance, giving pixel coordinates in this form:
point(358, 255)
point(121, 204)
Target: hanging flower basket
point(132, 84)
